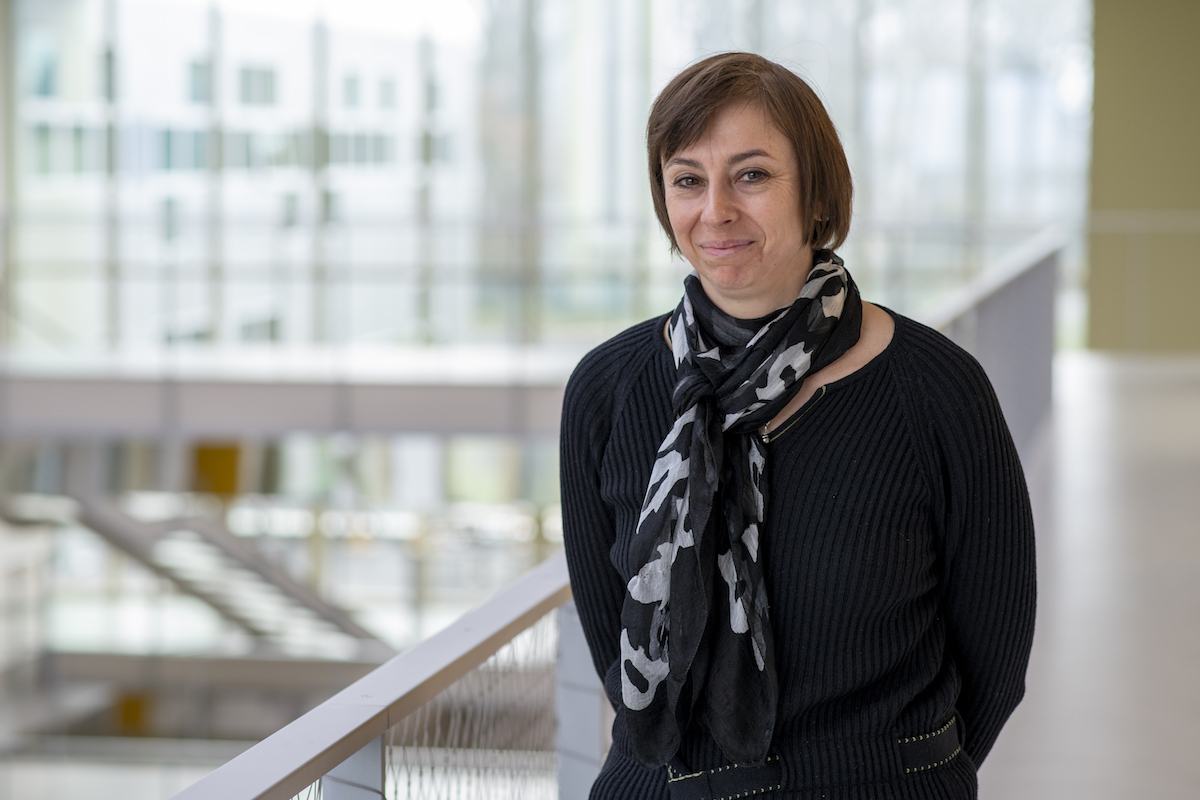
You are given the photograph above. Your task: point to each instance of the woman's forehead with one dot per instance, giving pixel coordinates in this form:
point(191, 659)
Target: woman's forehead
point(736, 129)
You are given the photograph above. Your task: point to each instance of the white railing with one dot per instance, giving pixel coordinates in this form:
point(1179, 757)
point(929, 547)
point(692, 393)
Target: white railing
point(1005, 318)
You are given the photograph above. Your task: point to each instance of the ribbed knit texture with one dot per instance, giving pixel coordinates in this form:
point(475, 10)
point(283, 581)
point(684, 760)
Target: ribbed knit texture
point(898, 553)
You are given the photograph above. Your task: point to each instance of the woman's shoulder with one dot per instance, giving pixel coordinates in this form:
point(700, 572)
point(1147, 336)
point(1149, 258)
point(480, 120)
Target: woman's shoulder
point(939, 369)
point(948, 392)
point(617, 361)
point(636, 361)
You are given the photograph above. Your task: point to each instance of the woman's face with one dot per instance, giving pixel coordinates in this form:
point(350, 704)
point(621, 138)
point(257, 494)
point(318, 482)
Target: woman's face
point(733, 199)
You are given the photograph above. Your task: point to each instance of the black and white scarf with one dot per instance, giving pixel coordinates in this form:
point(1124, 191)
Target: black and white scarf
point(689, 644)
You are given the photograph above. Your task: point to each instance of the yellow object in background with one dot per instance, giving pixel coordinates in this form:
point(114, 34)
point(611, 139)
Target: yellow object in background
point(133, 714)
point(215, 468)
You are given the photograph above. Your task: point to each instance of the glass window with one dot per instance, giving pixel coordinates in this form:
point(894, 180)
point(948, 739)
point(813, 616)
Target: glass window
point(199, 82)
point(339, 148)
point(45, 76)
point(167, 156)
point(268, 87)
point(170, 219)
point(199, 149)
point(381, 148)
point(257, 86)
point(330, 206)
point(79, 149)
point(291, 209)
point(106, 76)
point(237, 150)
point(43, 149)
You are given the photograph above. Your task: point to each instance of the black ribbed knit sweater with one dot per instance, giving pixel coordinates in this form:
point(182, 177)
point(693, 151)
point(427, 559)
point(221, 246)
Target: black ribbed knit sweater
point(898, 553)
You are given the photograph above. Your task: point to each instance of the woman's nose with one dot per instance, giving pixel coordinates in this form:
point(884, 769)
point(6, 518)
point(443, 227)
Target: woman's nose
point(719, 206)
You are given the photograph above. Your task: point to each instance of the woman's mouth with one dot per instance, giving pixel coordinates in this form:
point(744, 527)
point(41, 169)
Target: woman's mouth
point(725, 248)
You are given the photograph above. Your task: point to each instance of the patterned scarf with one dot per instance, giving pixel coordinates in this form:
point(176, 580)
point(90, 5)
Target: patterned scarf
point(711, 644)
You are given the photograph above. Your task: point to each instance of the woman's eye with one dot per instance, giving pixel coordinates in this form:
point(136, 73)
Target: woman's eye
point(687, 181)
point(754, 175)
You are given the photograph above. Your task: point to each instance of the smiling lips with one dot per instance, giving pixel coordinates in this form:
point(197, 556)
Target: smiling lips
point(725, 248)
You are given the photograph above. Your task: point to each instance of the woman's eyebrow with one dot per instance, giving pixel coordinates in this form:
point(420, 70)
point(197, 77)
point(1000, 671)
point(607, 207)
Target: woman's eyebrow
point(683, 162)
point(687, 162)
point(748, 154)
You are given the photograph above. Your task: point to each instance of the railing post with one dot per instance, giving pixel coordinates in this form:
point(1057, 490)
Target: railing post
point(581, 708)
point(359, 777)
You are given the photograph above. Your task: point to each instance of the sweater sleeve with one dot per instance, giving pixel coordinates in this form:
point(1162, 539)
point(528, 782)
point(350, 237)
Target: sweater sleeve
point(589, 529)
point(988, 539)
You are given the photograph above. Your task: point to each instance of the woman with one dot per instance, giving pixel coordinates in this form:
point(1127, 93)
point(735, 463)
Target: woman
point(799, 536)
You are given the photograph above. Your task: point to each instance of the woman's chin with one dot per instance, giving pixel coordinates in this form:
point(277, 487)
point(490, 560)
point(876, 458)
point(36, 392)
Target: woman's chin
point(728, 277)
point(736, 281)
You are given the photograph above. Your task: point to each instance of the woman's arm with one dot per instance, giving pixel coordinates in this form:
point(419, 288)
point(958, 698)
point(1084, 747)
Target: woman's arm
point(588, 526)
point(989, 561)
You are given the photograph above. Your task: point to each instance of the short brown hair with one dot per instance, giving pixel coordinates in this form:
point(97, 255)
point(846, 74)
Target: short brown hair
point(682, 112)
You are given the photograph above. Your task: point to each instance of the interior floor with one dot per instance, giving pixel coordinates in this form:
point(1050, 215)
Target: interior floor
point(1112, 707)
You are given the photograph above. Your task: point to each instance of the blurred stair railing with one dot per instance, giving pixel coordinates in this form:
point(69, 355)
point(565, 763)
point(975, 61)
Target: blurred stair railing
point(203, 559)
point(343, 742)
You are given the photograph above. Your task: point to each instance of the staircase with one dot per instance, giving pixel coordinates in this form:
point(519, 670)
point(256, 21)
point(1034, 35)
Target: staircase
point(203, 559)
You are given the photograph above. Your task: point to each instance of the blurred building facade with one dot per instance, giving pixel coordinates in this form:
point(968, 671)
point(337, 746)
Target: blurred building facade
point(232, 175)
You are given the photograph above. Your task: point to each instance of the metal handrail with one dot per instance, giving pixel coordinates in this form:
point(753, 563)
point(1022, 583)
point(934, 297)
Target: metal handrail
point(1029, 255)
point(1005, 318)
point(286, 762)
